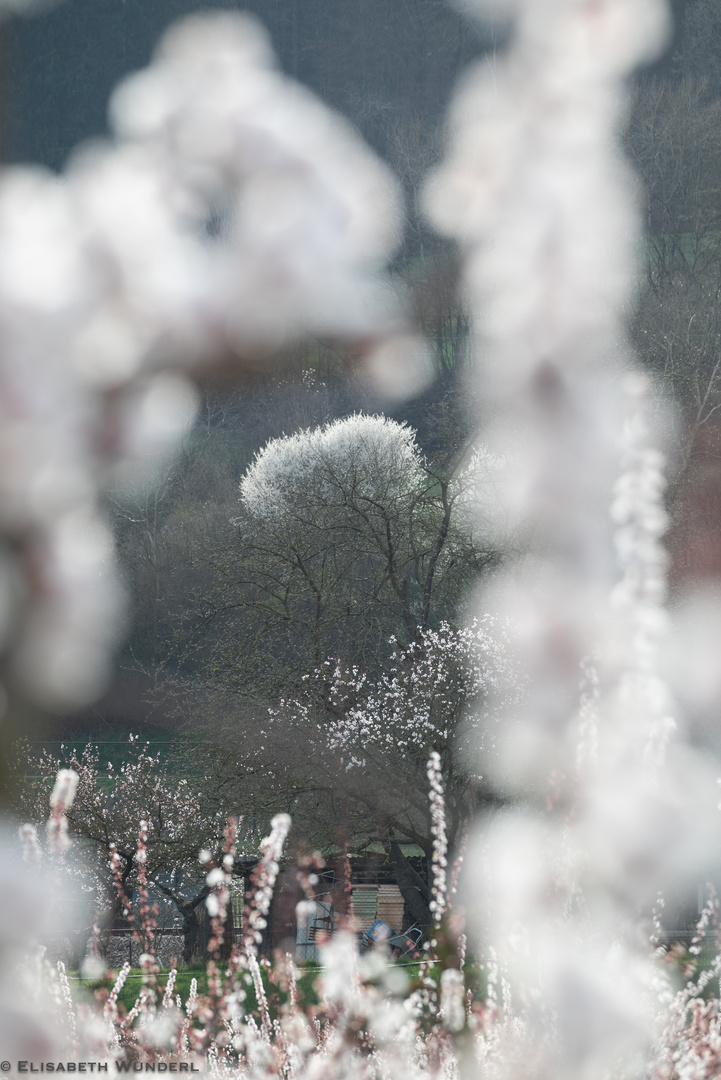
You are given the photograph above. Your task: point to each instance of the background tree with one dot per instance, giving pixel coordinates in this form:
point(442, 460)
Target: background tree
point(165, 526)
point(350, 544)
point(350, 751)
point(673, 141)
point(105, 816)
point(699, 40)
point(347, 535)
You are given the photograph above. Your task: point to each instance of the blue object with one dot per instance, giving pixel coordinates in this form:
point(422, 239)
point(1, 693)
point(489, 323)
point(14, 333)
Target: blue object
point(379, 931)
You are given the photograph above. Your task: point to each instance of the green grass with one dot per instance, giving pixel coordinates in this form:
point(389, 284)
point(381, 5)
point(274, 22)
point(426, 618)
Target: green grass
point(307, 993)
point(276, 997)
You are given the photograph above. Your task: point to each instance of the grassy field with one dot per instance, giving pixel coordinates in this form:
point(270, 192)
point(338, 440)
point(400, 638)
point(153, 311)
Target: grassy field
point(306, 988)
point(129, 993)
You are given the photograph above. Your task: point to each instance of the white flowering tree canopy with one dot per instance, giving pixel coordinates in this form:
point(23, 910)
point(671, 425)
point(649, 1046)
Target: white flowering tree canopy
point(439, 693)
point(367, 462)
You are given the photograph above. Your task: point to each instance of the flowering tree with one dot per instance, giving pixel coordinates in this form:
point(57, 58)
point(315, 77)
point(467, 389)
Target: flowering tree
point(105, 817)
point(346, 535)
point(366, 741)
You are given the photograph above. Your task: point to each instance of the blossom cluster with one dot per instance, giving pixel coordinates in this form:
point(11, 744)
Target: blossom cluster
point(591, 834)
point(230, 214)
point(438, 829)
point(437, 692)
point(374, 458)
point(264, 880)
point(61, 799)
point(218, 881)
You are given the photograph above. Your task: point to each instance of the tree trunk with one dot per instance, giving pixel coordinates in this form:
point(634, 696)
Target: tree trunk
point(191, 931)
point(189, 915)
point(413, 888)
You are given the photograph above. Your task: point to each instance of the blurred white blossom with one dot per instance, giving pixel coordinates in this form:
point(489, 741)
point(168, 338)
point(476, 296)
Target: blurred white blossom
point(232, 214)
point(292, 215)
point(535, 191)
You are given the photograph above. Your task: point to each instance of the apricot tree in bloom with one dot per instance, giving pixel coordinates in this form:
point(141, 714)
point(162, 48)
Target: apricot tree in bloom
point(104, 818)
point(347, 534)
point(367, 742)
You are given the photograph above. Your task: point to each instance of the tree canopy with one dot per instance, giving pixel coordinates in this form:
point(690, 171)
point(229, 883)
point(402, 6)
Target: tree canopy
point(348, 753)
point(347, 535)
point(109, 805)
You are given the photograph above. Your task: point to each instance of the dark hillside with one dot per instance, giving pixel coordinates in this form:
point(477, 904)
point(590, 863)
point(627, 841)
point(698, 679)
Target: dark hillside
point(377, 60)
